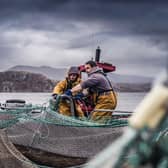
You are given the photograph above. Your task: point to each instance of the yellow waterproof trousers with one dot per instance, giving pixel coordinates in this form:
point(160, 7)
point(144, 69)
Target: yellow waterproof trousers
point(64, 109)
point(108, 102)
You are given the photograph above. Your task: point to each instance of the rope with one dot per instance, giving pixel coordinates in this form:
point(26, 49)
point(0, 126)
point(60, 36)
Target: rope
point(26, 161)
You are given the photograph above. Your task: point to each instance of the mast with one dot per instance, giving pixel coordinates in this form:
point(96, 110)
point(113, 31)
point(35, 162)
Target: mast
point(97, 56)
point(106, 67)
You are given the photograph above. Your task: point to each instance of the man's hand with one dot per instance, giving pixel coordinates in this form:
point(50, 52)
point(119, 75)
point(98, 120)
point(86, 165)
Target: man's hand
point(79, 96)
point(54, 96)
point(68, 92)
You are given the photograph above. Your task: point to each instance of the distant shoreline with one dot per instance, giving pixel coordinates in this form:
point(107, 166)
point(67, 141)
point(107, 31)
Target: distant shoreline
point(21, 81)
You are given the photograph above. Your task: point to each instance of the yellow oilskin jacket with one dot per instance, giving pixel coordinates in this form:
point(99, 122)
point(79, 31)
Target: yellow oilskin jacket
point(64, 106)
point(63, 85)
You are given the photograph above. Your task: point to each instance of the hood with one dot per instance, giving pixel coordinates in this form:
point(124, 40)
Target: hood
point(73, 70)
point(95, 70)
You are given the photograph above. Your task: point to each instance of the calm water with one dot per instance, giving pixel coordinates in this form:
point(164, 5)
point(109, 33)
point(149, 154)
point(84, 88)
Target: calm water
point(126, 101)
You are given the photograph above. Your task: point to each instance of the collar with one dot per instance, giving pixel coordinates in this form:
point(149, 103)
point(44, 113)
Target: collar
point(95, 70)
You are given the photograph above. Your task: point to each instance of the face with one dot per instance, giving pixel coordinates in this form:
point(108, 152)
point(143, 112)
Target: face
point(88, 68)
point(73, 77)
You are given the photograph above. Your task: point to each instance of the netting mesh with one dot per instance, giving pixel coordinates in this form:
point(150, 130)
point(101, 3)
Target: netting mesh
point(10, 156)
point(10, 116)
point(35, 113)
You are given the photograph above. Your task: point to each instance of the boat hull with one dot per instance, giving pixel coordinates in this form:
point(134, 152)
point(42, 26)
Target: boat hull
point(56, 145)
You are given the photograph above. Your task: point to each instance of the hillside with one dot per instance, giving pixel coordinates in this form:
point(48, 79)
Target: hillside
point(13, 81)
point(136, 87)
point(50, 72)
point(59, 74)
point(135, 79)
point(21, 81)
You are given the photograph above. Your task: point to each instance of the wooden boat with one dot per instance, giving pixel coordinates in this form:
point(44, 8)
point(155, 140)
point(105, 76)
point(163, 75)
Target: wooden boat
point(49, 138)
point(52, 139)
point(59, 143)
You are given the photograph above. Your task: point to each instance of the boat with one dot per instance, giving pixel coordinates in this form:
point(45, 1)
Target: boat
point(49, 138)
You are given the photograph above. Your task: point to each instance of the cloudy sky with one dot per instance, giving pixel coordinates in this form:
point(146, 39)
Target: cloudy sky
point(132, 35)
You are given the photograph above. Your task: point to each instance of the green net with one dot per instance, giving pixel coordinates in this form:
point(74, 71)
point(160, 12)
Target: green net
point(11, 116)
point(46, 114)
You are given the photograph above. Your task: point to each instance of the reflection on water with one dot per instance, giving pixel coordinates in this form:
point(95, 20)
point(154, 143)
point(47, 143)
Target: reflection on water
point(126, 101)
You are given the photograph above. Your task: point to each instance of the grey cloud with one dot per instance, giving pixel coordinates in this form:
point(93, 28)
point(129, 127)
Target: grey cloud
point(131, 14)
point(113, 19)
point(137, 17)
point(7, 56)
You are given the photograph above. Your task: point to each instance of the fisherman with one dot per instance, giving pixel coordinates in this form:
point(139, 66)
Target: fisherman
point(100, 86)
point(72, 79)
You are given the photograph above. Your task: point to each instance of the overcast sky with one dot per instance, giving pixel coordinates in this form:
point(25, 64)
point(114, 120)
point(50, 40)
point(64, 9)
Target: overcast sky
point(133, 36)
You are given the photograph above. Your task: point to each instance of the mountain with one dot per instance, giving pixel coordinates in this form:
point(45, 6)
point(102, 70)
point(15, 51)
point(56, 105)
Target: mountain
point(14, 81)
point(118, 78)
point(59, 74)
point(50, 72)
point(23, 81)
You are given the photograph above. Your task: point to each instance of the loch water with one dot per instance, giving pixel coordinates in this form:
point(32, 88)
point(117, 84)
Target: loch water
point(127, 101)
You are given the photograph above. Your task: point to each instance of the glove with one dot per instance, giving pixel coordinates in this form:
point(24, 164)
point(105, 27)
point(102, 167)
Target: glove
point(79, 96)
point(54, 96)
point(68, 92)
